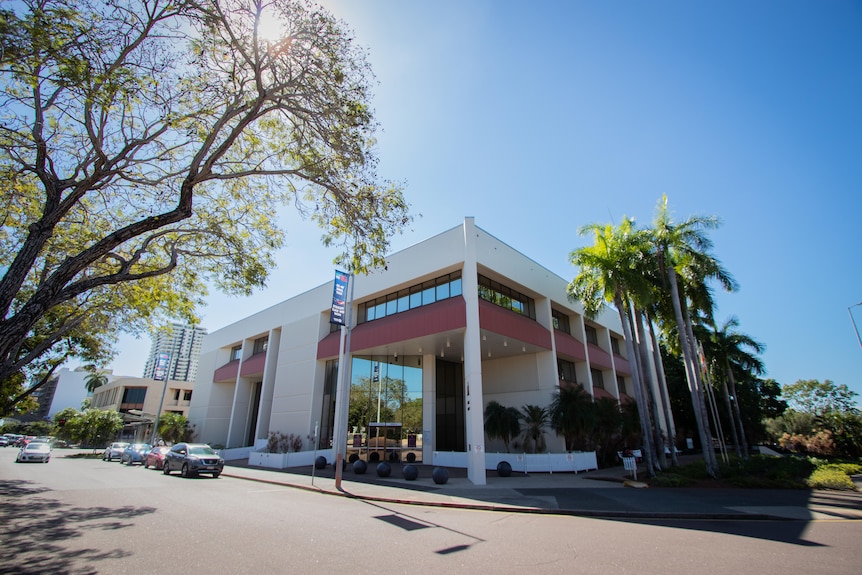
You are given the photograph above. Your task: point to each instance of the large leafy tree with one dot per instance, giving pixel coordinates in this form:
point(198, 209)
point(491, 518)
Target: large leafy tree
point(819, 397)
point(146, 148)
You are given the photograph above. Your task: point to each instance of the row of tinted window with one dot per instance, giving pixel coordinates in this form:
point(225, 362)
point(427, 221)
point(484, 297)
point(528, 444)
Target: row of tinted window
point(503, 296)
point(426, 293)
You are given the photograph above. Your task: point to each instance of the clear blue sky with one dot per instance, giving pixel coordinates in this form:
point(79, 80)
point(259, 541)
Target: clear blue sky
point(539, 117)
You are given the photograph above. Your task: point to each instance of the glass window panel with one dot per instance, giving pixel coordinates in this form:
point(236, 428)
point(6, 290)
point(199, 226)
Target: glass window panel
point(415, 299)
point(392, 306)
point(443, 291)
point(455, 287)
point(403, 301)
point(428, 296)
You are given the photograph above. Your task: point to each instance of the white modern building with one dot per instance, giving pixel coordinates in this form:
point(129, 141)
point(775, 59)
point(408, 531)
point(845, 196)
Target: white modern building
point(450, 324)
point(180, 345)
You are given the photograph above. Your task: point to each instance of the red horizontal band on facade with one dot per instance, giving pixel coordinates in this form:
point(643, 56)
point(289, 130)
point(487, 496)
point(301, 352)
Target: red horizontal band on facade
point(621, 365)
point(599, 393)
point(227, 372)
point(569, 346)
point(599, 357)
point(439, 317)
point(253, 365)
point(506, 322)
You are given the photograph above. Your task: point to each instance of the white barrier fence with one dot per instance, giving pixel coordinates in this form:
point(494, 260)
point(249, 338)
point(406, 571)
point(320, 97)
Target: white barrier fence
point(525, 462)
point(521, 462)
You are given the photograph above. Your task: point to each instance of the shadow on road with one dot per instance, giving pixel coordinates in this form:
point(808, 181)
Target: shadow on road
point(36, 527)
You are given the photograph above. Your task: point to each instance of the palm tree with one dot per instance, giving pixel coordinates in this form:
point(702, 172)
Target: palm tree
point(570, 414)
point(728, 352)
point(94, 379)
point(683, 248)
point(535, 420)
point(172, 427)
point(502, 422)
point(608, 273)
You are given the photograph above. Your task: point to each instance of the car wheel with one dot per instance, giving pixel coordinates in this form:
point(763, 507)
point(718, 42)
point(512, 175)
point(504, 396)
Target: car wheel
point(165, 469)
point(144, 463)
point(185, 470)
point(47, 460)
point(215, 475)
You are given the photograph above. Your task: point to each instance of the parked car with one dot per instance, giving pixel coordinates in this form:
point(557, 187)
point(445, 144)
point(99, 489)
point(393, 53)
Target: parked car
point(116, 449)
point(35, 451)
point(156, 457)
point(135, 453)
point(190, 459)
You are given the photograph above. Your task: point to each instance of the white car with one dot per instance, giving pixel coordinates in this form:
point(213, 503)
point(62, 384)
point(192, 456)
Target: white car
point(35, 451)
point(115, 450)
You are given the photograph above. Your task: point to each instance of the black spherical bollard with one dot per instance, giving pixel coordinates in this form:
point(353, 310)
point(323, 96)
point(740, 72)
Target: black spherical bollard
point(359, 467)
point(504, 469)
point(320, 462)
point(410, 472)
point(374, 456)
point(411, 457)
point(384, 469)
point(353, 457)
point(440, 475)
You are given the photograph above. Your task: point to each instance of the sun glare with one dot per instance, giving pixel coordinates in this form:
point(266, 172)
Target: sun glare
point(270, 28)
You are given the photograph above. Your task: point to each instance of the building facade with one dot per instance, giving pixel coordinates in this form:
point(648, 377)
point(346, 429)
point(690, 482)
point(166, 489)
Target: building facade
point(452, 323)
point(139, 399)
point(181, 346)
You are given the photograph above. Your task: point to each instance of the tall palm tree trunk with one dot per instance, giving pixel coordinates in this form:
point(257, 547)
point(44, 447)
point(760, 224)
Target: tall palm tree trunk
point(731, 417)
point(663, 393)
point(742, 438)
point(636, 381)
point(692, 378)
point(709, 451)
point(643, 357)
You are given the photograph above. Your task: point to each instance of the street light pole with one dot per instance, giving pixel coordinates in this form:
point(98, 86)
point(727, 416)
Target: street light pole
point(856, 329)
point(162, 400)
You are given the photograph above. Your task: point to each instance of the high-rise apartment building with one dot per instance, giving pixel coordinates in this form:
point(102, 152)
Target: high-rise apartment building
point(182, 345)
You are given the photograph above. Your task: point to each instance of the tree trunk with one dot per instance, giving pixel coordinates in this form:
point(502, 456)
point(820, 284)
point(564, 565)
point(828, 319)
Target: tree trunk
point(643, 357)
point(701, 386)
point(643, 414)
point(663, 393)
point(691, 376)
point(742, 438)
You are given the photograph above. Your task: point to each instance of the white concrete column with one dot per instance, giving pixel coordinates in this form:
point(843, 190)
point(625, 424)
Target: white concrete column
point(429, 406)
point(473, 402)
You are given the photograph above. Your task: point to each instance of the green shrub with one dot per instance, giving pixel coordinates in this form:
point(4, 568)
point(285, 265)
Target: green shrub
point(845, 468)
point(827, 477)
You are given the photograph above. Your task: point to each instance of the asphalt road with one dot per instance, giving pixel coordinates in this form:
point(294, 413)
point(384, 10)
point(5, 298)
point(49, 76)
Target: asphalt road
point(81, 516)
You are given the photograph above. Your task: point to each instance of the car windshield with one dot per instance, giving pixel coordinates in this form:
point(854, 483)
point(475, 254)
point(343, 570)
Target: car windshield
point(38, 447)
point(201, 450)
point(140, 446)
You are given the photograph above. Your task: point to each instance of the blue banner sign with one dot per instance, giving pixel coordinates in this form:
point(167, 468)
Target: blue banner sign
point(339, 298)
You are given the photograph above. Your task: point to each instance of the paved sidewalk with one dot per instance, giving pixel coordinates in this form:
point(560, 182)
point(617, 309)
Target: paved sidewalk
point(603, 493)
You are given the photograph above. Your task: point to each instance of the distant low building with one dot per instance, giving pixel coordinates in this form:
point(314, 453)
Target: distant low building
point(138, 399)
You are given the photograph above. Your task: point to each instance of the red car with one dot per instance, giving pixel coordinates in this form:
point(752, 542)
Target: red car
point(156, 457)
